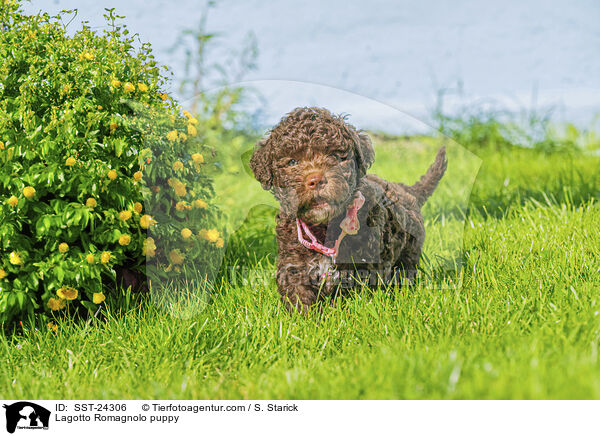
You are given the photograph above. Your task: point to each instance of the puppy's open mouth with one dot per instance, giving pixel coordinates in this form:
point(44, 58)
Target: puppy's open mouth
point(319, 204)
point(317, 211)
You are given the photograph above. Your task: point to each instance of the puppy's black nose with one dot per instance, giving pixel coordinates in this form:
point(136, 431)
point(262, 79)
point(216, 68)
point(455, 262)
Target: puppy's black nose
point(314, 180)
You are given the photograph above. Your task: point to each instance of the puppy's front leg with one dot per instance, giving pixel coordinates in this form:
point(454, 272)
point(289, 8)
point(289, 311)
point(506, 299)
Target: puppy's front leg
point(295, 286)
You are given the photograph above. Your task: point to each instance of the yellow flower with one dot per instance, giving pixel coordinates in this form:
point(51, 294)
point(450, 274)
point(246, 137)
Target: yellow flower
point(88, 56)
point(186, 233)
point(13, 201)
point(220, 243)
point(137, 207)
point(112, 174)
point(180, 189)
point(128, 87)
point(212, 235)
point(113, 126)
point(180, 206)
point(98, 297)
point(142, 87)
point(172, 135)
point(2, 273)
point(91, 202)
point(67, 293)
point(90, 259)
point(200, 204)
point(193, 121)
point(70, 161)
point(149, 247)
point(51, 326)
point(15, 258)
point(124, 240)
point(29, 191)
point(178, 165)
point(105, 257)
point(146, 221)
point(124, 215)
point(198, 158)
point(163, 96)
point(183, 136)
point(56, 303)
point(176, 257)
point(187, 114)
point(63, 247)
point(137, 176)
point(192, 130)
point(115, 83)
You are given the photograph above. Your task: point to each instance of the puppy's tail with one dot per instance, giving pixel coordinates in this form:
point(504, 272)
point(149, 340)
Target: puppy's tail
point(423, 189)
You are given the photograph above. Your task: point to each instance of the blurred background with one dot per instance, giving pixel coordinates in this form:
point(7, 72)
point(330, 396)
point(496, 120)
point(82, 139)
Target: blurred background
point(421, 58)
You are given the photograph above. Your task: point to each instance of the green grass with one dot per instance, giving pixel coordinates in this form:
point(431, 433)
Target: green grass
point(520, 320)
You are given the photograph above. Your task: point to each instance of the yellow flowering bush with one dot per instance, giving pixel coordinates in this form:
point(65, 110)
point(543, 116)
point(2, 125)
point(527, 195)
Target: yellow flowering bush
point(89, 141)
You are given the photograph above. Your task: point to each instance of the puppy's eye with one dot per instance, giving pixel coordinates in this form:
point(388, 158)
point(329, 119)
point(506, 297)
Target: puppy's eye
point(292, 163)
point(343, 157)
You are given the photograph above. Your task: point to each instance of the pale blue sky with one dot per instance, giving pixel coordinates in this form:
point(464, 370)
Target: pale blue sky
point(396, 53)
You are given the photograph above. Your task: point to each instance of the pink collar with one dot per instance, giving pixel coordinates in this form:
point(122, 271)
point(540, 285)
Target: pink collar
point(350, 225)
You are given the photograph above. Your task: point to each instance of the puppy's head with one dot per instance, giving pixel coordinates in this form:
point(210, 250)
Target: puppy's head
point(312, 161)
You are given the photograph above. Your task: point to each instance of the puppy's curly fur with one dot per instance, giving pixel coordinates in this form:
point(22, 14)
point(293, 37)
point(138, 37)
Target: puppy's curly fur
point(314, 162)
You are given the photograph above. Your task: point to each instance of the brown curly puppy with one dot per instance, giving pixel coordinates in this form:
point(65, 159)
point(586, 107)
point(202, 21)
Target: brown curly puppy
point(337, 226)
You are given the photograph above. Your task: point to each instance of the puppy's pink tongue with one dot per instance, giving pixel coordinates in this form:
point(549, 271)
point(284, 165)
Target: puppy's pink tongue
point(349, 225)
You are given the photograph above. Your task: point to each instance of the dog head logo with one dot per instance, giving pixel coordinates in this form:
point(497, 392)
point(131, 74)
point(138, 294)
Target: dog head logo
point(26, 415)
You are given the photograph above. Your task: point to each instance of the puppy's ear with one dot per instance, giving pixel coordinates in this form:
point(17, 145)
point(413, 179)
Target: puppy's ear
point(261, 163)
point(365, 154)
